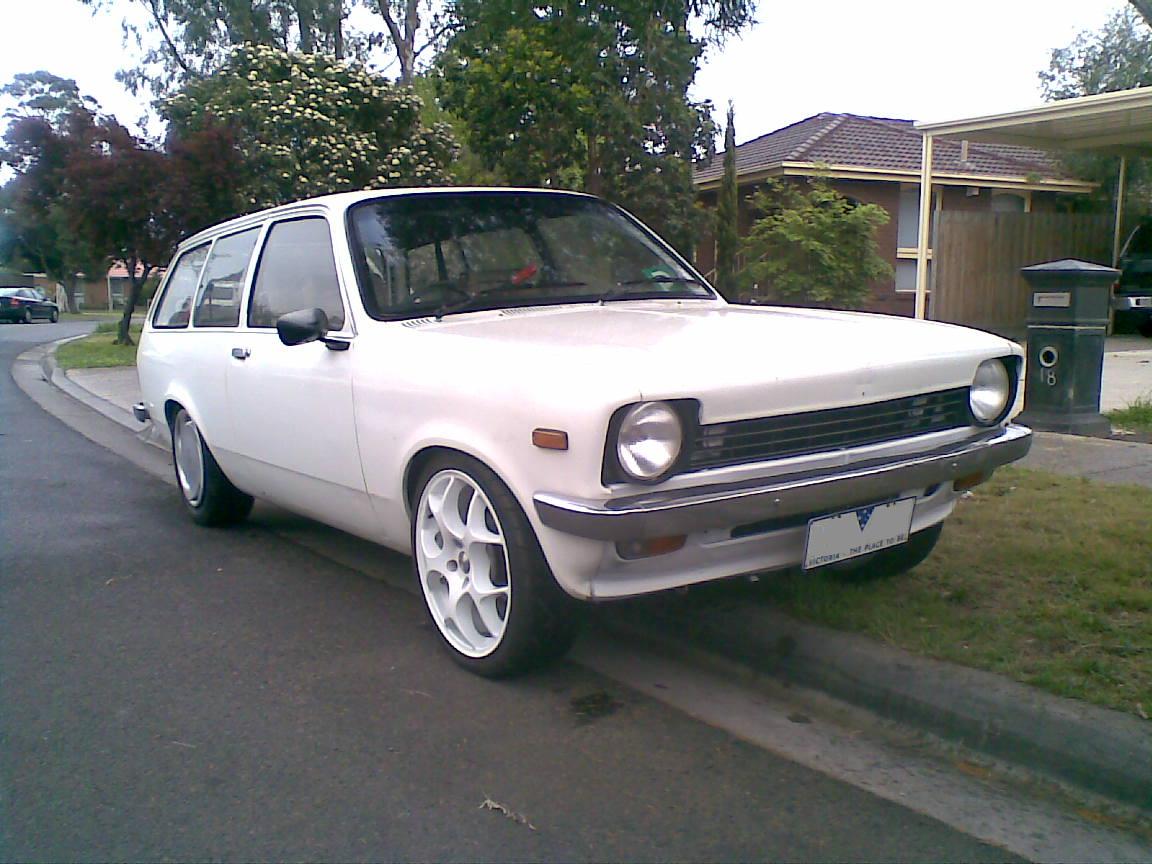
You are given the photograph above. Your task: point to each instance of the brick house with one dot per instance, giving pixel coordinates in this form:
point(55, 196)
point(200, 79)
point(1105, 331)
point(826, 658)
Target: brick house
point(876, 160)
point(106, 291)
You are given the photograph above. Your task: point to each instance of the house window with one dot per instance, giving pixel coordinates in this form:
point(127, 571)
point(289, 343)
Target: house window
point(1008, 202)
point(906, 274)
point(908, 218)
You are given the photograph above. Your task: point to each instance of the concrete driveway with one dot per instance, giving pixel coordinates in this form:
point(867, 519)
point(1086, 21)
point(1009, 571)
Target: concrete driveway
point(1127, 371)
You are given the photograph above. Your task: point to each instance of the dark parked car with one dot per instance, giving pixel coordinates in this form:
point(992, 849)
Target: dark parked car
point(26, 304)
point(1132, 299)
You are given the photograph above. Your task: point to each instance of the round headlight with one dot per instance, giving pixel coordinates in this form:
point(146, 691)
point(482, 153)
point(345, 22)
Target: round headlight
point(649, 440)
point(991, 390)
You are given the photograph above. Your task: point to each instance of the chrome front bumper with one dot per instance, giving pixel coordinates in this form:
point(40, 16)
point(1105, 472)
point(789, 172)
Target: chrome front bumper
point(685, 511)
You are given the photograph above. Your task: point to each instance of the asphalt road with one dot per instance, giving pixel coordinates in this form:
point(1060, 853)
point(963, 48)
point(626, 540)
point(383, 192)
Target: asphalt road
point(169, 692)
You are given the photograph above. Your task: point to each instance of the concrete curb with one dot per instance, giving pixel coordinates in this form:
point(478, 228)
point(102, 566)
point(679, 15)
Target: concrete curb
point(1103, 751)
point(56, 376)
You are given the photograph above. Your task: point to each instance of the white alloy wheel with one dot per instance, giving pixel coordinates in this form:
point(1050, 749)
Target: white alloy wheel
point(462, 561)
point(189, 455)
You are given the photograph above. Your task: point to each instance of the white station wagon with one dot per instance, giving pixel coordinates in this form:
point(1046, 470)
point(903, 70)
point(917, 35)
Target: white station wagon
point(539, 400)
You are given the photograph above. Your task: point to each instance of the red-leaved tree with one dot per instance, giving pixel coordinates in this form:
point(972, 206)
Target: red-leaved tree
point(124, 197)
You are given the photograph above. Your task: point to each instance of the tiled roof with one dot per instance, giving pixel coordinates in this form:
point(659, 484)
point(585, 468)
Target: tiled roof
point(119, 270)
point(879, 143)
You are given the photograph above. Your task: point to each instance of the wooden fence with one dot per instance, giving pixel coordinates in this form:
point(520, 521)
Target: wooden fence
point(978, 256)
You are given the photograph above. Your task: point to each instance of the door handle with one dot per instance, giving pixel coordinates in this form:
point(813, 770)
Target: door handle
point(241, 353)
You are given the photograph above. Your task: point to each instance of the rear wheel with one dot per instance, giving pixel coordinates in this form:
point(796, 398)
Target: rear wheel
point(892, 561)
point(485, 581)
point(26, 318)
point(208, 495)
point(1145, 328)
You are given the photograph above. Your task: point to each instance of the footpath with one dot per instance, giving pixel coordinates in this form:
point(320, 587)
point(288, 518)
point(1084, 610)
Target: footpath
point(1102, 751)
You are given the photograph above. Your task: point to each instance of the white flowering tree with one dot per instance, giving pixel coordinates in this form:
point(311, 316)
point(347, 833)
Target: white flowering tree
point(308, 124)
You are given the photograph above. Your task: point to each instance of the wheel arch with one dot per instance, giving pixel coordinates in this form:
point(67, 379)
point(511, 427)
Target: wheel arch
point(176, 399)
point(423, 456)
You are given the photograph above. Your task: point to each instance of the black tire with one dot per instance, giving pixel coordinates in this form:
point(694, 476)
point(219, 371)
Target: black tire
point(892, 561)
point(54, 316)
point(26, 318)
point(212, 500)
point(541, 619)
point(1145, 328)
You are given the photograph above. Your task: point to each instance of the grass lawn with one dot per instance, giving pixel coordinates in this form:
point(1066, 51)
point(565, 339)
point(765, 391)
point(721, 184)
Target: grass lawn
point(90, 315)
point(1137, 417)
point(98, 350)
point(1042, 578)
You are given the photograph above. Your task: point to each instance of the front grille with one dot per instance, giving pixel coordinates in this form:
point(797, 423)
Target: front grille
point(721, 444)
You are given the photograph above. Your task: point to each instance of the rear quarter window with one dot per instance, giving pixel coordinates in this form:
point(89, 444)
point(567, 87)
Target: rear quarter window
point(222, 285)
point(175, 308)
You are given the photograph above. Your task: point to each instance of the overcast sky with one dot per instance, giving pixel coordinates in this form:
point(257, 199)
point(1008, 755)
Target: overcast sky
point(914, 59)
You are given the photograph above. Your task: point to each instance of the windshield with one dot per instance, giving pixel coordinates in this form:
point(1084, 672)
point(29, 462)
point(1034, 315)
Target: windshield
point(439, 253)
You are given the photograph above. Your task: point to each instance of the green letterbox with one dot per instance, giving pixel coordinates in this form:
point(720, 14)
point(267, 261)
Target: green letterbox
point(1067, 322)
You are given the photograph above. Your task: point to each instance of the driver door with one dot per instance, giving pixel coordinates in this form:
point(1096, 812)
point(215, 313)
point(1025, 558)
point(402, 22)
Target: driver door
point(291, 406)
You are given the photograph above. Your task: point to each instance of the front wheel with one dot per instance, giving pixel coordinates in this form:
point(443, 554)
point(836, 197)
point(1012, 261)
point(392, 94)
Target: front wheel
point(54, 315)
point(26, 318)
point(209, 496)
point(485, 581)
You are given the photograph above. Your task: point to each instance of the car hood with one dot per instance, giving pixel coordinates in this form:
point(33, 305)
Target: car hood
point(739, 361)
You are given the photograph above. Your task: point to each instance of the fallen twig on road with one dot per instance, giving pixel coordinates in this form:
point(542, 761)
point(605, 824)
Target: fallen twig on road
point(489, 804)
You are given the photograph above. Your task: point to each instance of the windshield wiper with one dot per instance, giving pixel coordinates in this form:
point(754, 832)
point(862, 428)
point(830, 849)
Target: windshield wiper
point(470, 300)
point(624, 288)
point(459, 306)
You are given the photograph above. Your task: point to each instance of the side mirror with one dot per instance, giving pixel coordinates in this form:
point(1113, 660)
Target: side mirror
point(303, 325)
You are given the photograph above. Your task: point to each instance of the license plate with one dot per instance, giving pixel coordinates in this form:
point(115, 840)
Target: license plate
point(1142, 301)
point(857, 532)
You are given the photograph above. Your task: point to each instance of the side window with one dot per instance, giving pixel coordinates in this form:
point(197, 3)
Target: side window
point(176, 305)
point(220, 288)
point(296, 271)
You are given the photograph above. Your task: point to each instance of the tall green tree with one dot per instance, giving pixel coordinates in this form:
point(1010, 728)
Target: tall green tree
point(591, 96)
point(309, 124)
point(180, 40)
point(468, 169)
point(1118, 56)
point(811, 244)
point(1144, 7)
point(413, 27)
point(44, 95)
point(728, 213)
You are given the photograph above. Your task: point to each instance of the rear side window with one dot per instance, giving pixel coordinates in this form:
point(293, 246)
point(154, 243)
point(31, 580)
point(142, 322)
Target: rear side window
point(223, 282)
point(175, 306)
point(296, 271)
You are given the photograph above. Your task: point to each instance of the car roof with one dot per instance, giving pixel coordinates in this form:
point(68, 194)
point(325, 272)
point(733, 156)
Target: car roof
point(341, 201)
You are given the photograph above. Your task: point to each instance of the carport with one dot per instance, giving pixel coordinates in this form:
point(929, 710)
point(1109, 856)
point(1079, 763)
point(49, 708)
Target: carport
point(1117, 123)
